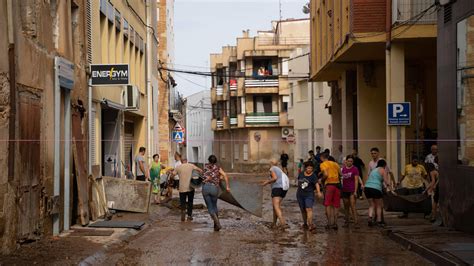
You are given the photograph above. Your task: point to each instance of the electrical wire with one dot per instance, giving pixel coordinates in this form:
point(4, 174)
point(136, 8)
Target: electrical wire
point(211, 74)
point(141, 20)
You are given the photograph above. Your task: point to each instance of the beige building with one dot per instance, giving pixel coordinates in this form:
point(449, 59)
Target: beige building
point(307, 108)
point(36, 107)
point(372, 57)
point(123, 115)
point(250, 96)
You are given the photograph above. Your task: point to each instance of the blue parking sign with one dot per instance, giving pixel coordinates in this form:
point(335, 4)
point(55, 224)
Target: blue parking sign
point(399, 114)
point(178, 136)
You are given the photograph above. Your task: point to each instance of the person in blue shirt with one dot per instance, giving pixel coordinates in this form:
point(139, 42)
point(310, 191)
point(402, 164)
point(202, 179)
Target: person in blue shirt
point(307, 185)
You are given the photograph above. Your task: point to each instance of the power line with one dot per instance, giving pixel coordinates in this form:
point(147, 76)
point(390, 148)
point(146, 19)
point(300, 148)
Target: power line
point(211, 74)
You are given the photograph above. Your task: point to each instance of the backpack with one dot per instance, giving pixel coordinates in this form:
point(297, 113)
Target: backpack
point(285, 181)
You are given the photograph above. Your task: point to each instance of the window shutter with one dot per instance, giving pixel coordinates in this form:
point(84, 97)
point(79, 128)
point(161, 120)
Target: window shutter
point(89, 30)
point(246, 152)
point(93, 137)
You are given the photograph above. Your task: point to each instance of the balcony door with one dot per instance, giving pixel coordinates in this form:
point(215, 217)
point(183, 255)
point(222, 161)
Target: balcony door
point(262, 104)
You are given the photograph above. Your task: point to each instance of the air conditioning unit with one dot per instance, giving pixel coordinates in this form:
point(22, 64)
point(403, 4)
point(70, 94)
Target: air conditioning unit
point(132, 97)
point(285, 131)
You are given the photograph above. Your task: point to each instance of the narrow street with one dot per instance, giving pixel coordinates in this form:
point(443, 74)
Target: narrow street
point(246, 239)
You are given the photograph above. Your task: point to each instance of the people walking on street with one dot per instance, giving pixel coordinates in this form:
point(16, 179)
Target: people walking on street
point(284, 161)
point(350, 182)
point(307, 185)
point(433, 188)
point(330, 158)
point(359, 164)
point(300, 166)
point(430, 158)
point(186, 192)
point(377, 180)
point(174, 180)
point(332, 189)
point(413, 180)
point(155, 170)
point(278, 193)
point(141, 165)
point(210, 188)
point(318, 154)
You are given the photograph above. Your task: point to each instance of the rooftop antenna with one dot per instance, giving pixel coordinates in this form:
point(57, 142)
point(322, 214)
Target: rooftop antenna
point(280, 10)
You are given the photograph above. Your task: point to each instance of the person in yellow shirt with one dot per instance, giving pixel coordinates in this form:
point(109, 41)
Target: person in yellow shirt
point(331, 173)
point(413, 179)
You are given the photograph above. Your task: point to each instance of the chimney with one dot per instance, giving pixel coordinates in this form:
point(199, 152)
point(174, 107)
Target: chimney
point(246, 33)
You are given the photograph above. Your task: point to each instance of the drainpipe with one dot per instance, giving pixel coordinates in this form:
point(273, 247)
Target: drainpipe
point(57, 144)
point(148, 82)
point(12, 74)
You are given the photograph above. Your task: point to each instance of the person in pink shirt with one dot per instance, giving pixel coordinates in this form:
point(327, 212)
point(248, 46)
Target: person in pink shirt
point(350, 182)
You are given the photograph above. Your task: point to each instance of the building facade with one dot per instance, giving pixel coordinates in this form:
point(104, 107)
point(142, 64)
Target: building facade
point(199, 139)
point(250, 96)
point(43, 88)
point(168, 103)
point(456, 112)
point(123, 115)
point(374, 53)
point(307, 107)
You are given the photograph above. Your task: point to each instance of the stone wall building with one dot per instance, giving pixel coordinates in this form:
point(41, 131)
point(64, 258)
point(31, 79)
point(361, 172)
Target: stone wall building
point(36, 34)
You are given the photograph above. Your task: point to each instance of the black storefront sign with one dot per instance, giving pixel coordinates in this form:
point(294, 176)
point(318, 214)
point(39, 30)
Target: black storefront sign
point(118, 74)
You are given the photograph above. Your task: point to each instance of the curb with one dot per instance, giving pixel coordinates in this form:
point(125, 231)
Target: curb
point(421, 250)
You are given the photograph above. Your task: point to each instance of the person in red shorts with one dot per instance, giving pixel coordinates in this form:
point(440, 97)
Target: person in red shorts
point(332, 196)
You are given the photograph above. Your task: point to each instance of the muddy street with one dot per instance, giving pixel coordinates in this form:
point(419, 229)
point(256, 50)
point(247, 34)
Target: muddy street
point(246, 239)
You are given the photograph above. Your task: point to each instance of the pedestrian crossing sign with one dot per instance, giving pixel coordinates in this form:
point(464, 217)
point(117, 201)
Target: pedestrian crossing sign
point(178, 136)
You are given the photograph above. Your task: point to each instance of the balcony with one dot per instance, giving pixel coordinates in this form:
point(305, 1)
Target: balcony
point(220, 124)
point(234, 121)
point(404, 10)
point(222, 93)
point(268, 85)
point(262, 118)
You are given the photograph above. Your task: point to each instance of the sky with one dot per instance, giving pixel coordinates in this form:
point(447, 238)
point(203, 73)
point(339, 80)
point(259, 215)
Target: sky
point(202, 27)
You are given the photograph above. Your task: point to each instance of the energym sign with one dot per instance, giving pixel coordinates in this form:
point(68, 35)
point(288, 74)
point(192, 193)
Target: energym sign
point(110, 74)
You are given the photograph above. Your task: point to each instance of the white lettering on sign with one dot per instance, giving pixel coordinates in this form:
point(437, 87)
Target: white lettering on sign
point(110, 73)
point(397, 109)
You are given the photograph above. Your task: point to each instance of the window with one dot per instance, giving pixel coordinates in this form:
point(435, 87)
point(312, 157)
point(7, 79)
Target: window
point(222, 151)
point(246, 152)
point(110, 12)
point(118, 20)
point(125, 28)
point(262, 104)
point(285, 101)
point(465, 90)
point(236, 152)
point(303, 91)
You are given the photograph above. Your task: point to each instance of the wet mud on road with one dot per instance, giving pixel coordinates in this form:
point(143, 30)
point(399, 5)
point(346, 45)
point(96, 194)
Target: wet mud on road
point(246, 239)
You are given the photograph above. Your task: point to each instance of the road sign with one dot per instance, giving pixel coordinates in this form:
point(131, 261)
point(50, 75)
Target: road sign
point(109, 75)
point(178, 136)
point(399, 114)
point(290, 138)
point(65, 72)
point(178, 127)
point(257, 136)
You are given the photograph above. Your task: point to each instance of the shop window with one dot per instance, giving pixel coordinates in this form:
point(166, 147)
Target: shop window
point(465, 91)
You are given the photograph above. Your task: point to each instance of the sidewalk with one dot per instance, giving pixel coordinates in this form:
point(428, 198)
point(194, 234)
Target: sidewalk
point(435, 243)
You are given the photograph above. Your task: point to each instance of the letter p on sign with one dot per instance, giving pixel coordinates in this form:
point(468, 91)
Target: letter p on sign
point(397, 110)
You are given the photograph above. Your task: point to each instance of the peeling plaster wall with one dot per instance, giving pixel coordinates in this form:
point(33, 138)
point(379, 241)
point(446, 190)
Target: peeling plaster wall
point(37, 42)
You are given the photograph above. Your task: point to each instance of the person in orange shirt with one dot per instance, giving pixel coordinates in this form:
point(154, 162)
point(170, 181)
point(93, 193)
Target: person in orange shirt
point(331, 173)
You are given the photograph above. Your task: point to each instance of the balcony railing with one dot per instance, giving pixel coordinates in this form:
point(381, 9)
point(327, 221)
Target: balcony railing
point(220, 124)
point(233, 85)
point(256, 83)
point(220, 90)
point(262, 118)
point(418, 11)
point(233, 121)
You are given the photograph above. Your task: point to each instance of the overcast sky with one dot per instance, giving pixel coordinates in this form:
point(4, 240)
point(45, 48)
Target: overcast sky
point(204, 26)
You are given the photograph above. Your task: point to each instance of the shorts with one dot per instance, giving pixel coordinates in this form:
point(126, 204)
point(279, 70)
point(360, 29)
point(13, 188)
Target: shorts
point(305, 202)
point(279, 192)
point(346, 195)
point(372, 193)
point(332, 196)
point(141, 178)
